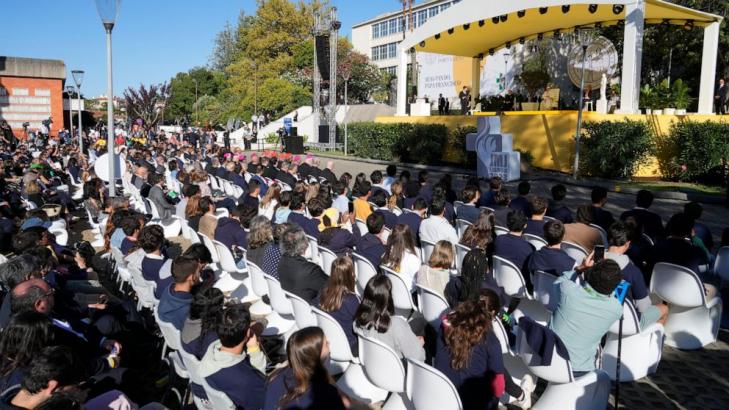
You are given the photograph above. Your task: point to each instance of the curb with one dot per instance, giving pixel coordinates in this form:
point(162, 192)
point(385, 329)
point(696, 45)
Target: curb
point(612, 186)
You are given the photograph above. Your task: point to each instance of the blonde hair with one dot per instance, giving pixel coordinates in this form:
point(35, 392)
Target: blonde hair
point(442, 256)
point(396, 189)
point(32, 187)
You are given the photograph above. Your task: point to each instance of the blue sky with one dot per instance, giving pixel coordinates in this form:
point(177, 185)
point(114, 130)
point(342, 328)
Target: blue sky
point(153, 39)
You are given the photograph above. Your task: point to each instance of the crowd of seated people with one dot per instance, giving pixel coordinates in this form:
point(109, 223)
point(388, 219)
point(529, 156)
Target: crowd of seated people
point(67, 324)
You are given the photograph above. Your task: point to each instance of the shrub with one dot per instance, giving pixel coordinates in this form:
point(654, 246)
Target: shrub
point(457, 143)
point(420, 143)
point(614, 149)
point(695, 151)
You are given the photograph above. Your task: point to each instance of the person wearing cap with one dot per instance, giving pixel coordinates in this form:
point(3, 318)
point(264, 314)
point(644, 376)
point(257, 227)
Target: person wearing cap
point(335, 238)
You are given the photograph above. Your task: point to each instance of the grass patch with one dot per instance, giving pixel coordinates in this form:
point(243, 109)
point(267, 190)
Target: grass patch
point(685, 187)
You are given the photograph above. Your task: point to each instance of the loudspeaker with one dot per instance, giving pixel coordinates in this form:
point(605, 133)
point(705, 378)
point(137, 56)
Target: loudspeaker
point(294, 132)
point(294, 145)
point(322, 56)
point(324, 135)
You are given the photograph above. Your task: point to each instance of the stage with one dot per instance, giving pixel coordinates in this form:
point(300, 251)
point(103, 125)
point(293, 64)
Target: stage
point(548, 136)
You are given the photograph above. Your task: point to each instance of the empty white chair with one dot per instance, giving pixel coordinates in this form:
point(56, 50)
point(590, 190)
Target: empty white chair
point(426, 249)
point(364, 271)
point(461, 251)
point(641, 349)
point(693, 321)
point(384, 369)
point(401, 297)
point(429, 389)
point(313, 252)
point(302, 311)
point(172, 226)
point(537, 241)
point(544, 289)
point(461, 226)
point(342, 361)
point(575, 251)
point(60, 234)
point(432, 305)
point(190, 234)
point(326, 257)
point(564, 392)
point(385, 234)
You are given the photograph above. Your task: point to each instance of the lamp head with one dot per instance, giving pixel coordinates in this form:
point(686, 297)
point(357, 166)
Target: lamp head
point(78, 77)
point(108, 11)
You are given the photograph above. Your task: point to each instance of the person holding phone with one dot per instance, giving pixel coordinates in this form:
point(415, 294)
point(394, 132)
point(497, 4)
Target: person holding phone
point(584, 313)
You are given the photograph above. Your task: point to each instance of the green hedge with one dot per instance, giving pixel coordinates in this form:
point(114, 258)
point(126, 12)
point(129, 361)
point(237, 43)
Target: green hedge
point(695, 151)
point(419, 143)
point(614, 149)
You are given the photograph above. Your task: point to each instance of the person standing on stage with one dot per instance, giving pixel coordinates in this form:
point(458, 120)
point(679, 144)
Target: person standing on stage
point(465, 97)
point(441, 104)
point(720, 97)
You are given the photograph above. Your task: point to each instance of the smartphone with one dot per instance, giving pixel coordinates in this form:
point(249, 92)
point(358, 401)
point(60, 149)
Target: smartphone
point(599, 253)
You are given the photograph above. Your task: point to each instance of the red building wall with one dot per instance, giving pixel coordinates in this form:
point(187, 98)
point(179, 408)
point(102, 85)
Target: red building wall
point(32, 100)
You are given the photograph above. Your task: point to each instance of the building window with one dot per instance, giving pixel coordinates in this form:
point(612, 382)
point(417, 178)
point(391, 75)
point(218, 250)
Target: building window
point(42, 92)
point(433, 11)
point(444, 6)
point(384, 52)
point(20, 91)
point(375, 31)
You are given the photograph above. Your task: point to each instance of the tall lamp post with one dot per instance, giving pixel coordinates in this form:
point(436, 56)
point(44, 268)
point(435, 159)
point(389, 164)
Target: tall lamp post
point(69, 90)
point(108, 11)
point(584, 36)
point(78, 78)
point(194, 105)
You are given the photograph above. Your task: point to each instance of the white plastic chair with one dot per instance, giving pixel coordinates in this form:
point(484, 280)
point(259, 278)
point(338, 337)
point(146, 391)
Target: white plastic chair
point(401, 297)
point(218, 399)
point(208, 242)
point(302, 311)
point(362, 226)
point(192, 364)
point(693, 322)
point(721, 264)
point(512, 362)
point(172, 339)
point(564, 392)
point(603, 234)
point(364, 271)
point(313, 251)
point(544, 289)
point(641, 350)
point(326, 258)
point(426, 249)
point(171, 226)
point(281, 305)
point(432, 305)
point(509, 277)
point(461, 226)
point(429, 389)
point(575, 251)
point(461, 251)
point(500, 230)
point(384, 369)
point(537, 241)
point(342, 361)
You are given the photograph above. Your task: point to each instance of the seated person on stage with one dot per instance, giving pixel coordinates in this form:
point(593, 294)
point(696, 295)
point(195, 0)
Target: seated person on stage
point(638, 291)
point(512, 246)
point(372, 246)
point(174, 304)
point(522, 201)
point(601, 217)
point(585, 313)
point(535, 225)
point(551, 258)
point(556, 209)
point(155, 266)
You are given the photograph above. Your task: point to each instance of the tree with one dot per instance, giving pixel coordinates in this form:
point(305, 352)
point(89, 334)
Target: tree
point(182, 89)
point(147, 103)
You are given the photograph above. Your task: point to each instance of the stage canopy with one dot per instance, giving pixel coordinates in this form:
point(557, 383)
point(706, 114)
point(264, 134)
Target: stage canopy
point(475, 28)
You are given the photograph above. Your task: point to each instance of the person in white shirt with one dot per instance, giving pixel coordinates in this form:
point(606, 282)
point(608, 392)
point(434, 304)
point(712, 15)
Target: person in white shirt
point(390, 177)
point(436, 227)
point(401, 254)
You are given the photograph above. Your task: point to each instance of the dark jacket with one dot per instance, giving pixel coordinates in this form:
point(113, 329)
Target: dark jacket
point(468, 213)
point(535, 227)
point(371, 248)
point(521, 203)
point(542, 341)
point(301, 277)
point(513, 248)
point(229, 232)
point(174, 307)
point(602, 218)
point(558, 211)
point(412, 220)
point(340, 241)
point(390, 217)
point(651, 222)
point(310, 226)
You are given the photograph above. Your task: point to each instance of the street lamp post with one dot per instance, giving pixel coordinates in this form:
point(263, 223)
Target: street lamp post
point(194, 105)
point(108, 11)
point(78, 77)
point(69, 90)
point(346, 109)
point(585, 39)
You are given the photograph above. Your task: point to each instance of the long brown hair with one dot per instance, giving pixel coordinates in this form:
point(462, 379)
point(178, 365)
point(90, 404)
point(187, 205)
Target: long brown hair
point(480, 234)
point(339, 284)
point(274, 192)
point(304, 354)
point(191, 209)
point(467, 326)
point(442, 256)
point(396, 189)
point(399, 241)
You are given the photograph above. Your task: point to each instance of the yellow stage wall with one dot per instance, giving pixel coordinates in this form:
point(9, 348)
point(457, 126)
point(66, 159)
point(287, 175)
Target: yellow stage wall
point(549, 135)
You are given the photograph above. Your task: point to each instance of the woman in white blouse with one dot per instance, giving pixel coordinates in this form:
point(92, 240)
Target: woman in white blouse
point(401, 254)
